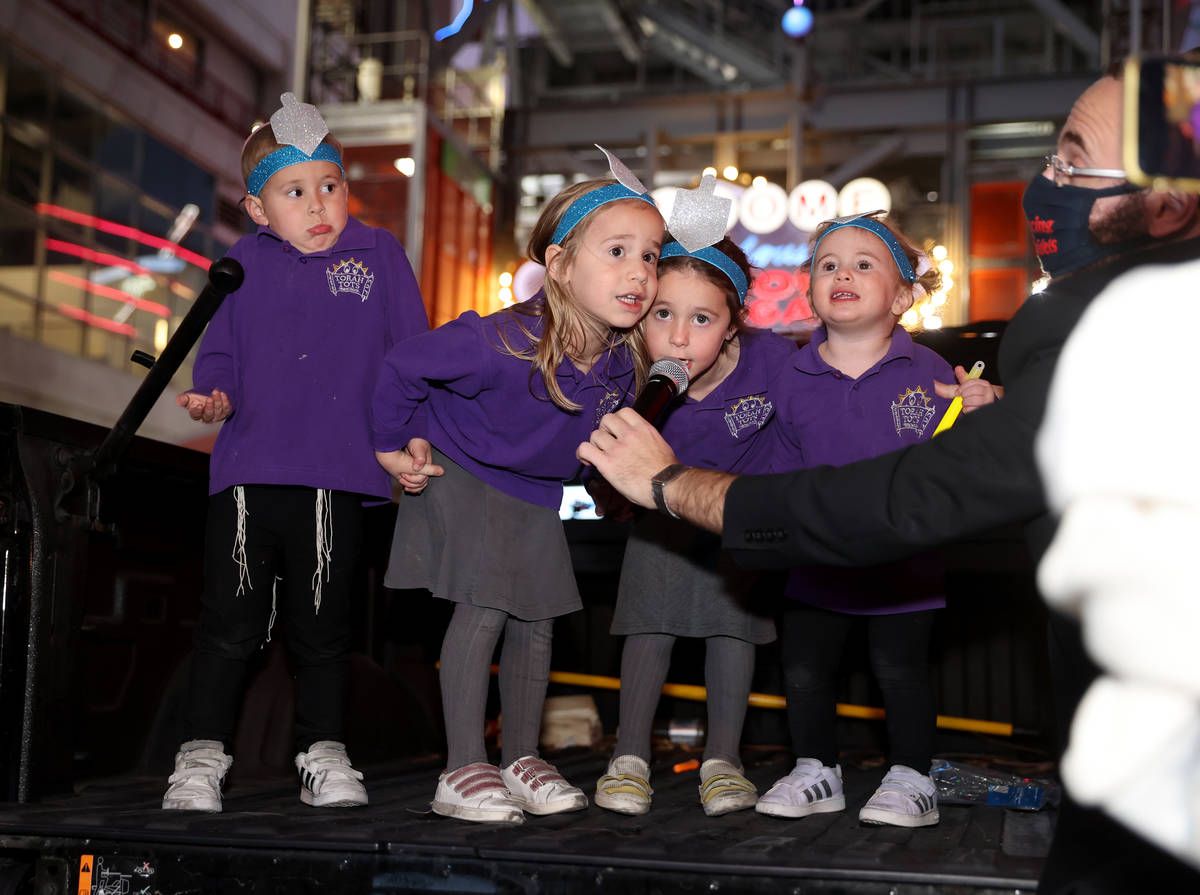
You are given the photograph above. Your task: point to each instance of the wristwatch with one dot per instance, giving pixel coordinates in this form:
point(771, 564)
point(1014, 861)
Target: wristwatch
point(656, 487)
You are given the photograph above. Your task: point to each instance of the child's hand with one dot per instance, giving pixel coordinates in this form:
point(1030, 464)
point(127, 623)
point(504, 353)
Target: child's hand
point(610, 503)
point(412, 466)
point(975, 392)
point(207, 409)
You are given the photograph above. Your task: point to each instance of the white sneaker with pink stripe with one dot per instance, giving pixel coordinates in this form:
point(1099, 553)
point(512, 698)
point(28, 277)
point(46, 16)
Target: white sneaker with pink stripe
point(476, 792)
point(539, 788)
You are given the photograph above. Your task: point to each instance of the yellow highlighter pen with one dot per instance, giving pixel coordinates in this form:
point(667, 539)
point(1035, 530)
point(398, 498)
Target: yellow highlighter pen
point(955, 407)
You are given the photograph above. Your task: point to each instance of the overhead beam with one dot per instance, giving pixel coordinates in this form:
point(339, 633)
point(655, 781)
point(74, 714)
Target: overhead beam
point(1071, 27)
point(746, 60)
point(550, 33)
point(626, 42)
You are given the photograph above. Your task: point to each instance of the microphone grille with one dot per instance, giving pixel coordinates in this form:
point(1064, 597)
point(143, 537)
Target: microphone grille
point(673, 370)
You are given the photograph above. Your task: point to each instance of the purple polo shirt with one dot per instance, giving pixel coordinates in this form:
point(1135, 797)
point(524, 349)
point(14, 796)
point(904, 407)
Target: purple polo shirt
point(725, 429)
point(487, 410)
point(832, 419)
point(298, 349)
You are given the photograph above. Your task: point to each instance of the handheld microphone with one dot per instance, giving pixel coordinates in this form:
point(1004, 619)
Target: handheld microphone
point(668, 379)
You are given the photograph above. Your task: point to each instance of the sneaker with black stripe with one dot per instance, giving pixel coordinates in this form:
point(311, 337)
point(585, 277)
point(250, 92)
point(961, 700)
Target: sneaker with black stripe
point(327, 779)
point(811, 788)
point(905, 798)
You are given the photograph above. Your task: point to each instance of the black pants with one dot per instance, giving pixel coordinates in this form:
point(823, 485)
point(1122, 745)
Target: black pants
point(280, 542)
point(812, 645)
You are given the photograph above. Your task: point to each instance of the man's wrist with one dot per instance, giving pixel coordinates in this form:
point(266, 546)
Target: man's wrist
point(659, 481)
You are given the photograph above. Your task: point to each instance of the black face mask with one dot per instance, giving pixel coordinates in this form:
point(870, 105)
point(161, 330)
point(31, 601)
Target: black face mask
point(1058, 217)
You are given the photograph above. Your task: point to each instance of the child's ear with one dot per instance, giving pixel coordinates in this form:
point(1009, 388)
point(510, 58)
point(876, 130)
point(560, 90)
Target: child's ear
point(904, 299)
point(254, 208)
point(554, 260)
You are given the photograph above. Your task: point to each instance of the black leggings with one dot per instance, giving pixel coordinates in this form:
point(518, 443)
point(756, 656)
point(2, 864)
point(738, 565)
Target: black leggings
point(812, 645)
point(280, 543)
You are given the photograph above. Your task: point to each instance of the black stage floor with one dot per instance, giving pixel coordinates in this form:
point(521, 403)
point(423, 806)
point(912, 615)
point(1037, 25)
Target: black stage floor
point(397, 845)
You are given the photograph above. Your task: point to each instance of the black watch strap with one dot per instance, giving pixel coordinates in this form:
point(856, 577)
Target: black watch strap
point(656, 487)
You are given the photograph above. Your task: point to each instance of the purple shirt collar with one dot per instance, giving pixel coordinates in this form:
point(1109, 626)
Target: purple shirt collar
point(812, 362)
point(356, 237)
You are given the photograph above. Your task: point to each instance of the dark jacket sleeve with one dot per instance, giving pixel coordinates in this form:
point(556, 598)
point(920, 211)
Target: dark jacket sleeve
point(974, 477)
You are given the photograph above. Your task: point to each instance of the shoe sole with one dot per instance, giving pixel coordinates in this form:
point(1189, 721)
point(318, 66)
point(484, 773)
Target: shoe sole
point(317, 802)
point(178, 805)
point(825, 806)
point(740, 802)
point(629, 805)
point(479, 815)
point(575, 802)
point(877, 817)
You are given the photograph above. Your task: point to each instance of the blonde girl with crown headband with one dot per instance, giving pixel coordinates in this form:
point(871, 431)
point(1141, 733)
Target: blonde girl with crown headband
point(675, 579)
point(494, 408)
point(863, 387)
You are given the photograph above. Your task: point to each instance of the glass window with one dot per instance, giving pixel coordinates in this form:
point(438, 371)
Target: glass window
point(117, 147)
point(117, 204)
point(26, 87)
point(16, 311)
point(18, 243)
point(20, 171)
point(62, 331)
point(76, 124)
point(175, 181)
point(71, 186)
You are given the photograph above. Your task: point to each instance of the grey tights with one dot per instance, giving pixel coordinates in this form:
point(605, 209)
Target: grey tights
point(466, 659)
point(728, 671)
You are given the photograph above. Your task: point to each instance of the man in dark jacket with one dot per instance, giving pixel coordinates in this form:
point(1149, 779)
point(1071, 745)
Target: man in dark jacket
point(1090, 226)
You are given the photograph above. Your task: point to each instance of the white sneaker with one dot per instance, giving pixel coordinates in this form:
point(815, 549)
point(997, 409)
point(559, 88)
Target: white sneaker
point(905, 798)
point(723, 788)
point(811, 788)
point(326, 778)
point(200, 767)
point(539, 788)
point(476, 792)
point(625, 789)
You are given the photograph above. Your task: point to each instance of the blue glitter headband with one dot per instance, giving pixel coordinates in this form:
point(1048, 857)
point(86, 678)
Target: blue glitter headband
point(286, 156)
point(717, 259)
point(589, 202)
point(866, 223)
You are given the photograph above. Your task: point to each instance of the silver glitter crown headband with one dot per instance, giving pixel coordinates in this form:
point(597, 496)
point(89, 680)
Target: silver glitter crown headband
point(301, 130)
point(698, 221)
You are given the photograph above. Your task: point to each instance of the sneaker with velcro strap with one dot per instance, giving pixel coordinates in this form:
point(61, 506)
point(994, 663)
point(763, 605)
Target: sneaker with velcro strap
point(905, 798)
point(811, 788)
point(200, 768)
point(327, 779)
point(723, 788)
point(538, 787)
point(625, 789)
point(476, 792)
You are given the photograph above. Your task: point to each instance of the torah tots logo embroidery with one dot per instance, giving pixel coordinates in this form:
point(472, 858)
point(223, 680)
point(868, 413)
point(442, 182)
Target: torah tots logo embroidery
point(350, 276)
point(748, 413)
point(913, 410)
point(609, 403)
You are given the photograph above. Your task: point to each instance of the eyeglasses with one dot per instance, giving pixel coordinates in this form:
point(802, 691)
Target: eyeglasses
point(1066, 169)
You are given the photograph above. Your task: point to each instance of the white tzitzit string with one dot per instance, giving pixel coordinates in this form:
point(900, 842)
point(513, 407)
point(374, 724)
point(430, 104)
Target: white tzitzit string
point(239, 541)
point(324, 525)
point(274, 593)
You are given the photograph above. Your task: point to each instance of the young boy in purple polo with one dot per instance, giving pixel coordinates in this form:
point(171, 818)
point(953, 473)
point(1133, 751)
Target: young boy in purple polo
point(862, 388)
point(287, 366)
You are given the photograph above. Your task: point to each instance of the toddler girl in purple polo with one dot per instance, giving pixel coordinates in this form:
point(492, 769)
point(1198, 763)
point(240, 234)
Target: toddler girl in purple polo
point(493, 408)
point(862, 387)
point(675, 580)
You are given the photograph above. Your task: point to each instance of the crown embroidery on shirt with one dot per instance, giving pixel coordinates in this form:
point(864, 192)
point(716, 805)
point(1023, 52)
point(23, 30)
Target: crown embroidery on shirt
point(748, 413)
point(350, 276)
point(608, 404)
point(913, 411)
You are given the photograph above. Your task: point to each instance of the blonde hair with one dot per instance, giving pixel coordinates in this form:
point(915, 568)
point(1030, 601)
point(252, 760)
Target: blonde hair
point(262, 143)
point(930, 280)
point(564, 328)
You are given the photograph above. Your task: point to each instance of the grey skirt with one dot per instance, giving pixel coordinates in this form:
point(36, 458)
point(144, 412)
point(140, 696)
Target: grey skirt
point(466, 541)
point(677, 580)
